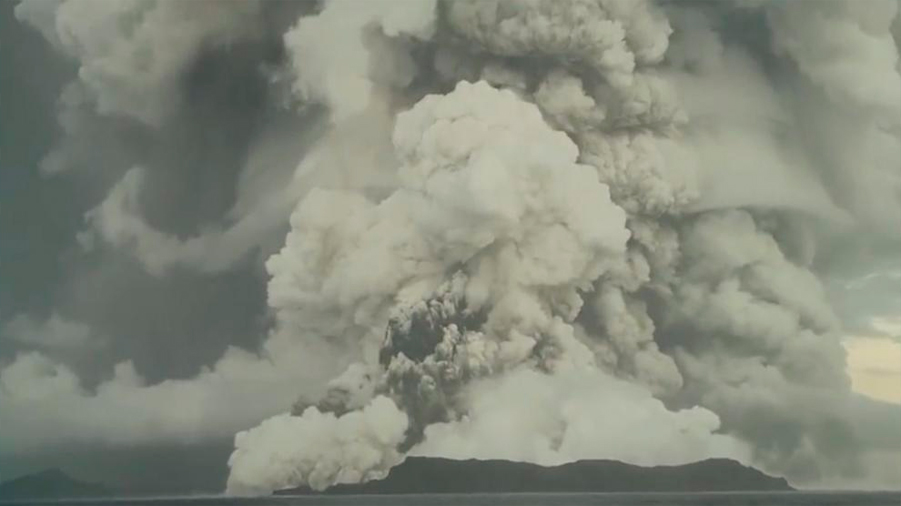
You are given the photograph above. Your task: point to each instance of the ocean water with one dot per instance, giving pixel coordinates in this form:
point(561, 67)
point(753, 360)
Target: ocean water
point(656, 499)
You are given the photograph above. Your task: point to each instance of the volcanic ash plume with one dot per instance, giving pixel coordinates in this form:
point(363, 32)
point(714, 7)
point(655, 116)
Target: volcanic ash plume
point(570, 256)
point(474, 265)
point(540, 230)
point(559, 267)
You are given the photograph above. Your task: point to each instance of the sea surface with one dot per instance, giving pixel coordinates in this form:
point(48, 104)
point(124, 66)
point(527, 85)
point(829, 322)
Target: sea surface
point(632, 499)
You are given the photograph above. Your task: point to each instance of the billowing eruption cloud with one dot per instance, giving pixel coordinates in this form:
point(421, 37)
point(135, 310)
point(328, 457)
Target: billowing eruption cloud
point(539, 230)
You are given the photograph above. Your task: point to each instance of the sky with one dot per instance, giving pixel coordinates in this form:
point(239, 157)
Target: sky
point(232, 228)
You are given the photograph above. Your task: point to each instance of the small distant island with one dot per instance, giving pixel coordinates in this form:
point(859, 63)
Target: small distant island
point(50, 484)
point(427, 475)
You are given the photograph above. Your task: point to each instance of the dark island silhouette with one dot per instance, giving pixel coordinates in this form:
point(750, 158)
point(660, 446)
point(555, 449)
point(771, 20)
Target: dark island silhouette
point(427, 475)
point(50, 484)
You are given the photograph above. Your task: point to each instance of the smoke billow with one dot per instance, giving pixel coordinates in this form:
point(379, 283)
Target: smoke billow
point(538, 230)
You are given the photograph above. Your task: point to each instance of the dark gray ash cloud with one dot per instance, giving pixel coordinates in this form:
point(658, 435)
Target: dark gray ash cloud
point(635, 230)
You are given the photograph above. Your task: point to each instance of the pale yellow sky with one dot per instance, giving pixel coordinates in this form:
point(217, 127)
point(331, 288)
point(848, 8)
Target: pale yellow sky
point(874, 364)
